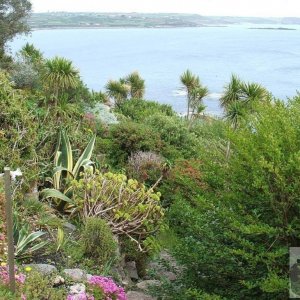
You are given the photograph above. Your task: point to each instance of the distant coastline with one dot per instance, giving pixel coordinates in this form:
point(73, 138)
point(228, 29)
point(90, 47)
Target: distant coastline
point(273, 28)
point(66, 20)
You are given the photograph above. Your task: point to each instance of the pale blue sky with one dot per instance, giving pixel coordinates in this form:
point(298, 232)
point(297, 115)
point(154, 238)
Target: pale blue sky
point(267, 8)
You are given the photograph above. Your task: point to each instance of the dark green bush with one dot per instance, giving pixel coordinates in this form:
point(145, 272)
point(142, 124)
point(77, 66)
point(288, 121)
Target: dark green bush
point(138, 109)
point(234, 238)
point(98, 241)
point(129, 137)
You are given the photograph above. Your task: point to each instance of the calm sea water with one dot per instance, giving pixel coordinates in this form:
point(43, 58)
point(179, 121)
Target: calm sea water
point(270, 57)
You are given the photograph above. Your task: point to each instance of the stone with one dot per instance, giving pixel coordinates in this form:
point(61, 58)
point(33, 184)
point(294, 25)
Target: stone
point(44, 269)
point(132, 270)
point(69, 227)
point(58, 280)
point(169, 275)
point(133, 295)
point(144, 285)
point(75, 274)
point(88, 277)
point(78, 288)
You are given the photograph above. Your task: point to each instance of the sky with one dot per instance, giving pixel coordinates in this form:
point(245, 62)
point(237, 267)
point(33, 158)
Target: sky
point(255, 8)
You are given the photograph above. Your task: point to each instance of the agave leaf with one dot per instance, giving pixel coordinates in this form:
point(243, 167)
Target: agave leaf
point(53, 193)
point(60, 237)
point(86, 155)
point(57, 175)
point(66, 152)
point(27, 240)
point(60, 169)
point(38, 246)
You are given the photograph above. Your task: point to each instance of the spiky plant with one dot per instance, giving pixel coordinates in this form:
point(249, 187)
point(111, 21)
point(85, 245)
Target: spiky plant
point(137, 85)
point(232, 92)
point(60, 75)
point(117, 90)
point(190, 83)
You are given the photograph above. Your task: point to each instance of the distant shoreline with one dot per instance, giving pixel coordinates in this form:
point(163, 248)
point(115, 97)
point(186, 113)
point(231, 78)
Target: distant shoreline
point(124, 27)
point(272, 28)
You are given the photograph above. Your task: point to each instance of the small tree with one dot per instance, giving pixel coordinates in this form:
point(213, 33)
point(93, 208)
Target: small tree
point(13, 15)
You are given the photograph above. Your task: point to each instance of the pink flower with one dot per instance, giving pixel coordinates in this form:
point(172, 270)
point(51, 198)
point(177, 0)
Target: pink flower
point(109, 287)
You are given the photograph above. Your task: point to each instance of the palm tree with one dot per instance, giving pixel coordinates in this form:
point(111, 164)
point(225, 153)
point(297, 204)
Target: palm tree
point(232, 92)
point(31, 53)
point(137, 85)
point(118, 90)
point(197, 96)
point(190, 82)
point(60, 75)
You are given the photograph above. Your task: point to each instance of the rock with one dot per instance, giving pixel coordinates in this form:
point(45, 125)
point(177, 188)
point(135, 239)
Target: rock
point(70, 228)
point(78, 288)
point(75, 274)
point(132, 295)
point(132, 270)
point(144, 285)
point(44, 269)
point(119, 273)
point(169, 275)
point(58, 280)
point(88, 277)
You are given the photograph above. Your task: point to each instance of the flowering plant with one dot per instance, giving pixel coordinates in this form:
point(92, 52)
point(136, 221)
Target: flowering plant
point(4, 275)
point(103, 288)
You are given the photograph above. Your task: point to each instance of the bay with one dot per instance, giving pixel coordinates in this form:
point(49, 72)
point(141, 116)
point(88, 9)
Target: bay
point(161, 55)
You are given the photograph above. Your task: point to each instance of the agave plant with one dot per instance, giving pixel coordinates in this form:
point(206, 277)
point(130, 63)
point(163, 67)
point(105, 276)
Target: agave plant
point(26, 242)
point(65, 170)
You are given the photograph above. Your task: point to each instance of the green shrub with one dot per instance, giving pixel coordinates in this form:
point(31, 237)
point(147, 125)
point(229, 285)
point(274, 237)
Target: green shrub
point(234, 237)
point(98, 241)
point(40, 287)
point(128, 137)
point(138, 110)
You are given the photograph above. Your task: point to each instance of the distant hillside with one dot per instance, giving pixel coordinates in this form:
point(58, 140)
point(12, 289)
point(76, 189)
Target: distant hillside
point(138, 20)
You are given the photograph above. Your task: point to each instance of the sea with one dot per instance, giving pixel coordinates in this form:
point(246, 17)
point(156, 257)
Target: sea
point(161, 55)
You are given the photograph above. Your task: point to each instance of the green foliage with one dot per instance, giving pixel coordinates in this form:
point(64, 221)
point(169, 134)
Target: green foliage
point(234, 237)
point(178, 141)
point(40, 287)
point(13, 15)
point(138, 109)
point(17, 129)
point(127, 137)
point(117, 90)
point(98, 241)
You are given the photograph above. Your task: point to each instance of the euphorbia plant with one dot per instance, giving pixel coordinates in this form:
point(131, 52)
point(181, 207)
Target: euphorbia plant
point(128, 206)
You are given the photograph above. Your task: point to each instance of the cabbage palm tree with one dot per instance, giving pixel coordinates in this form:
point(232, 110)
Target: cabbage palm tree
point(60, 75)
point(197, 96)
point(137, 85)
point(31, 53)
point(232, 92)
point(118, 90)
point(190, 83)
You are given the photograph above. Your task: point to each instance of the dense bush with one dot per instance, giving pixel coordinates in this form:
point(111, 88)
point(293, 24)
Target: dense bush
point(98, 241)
point(235, 238)
point(17, 129)
point(129, 137)
point(138, 110)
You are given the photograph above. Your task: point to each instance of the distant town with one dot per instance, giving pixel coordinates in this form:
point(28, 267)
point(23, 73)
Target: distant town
point(139, 20)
